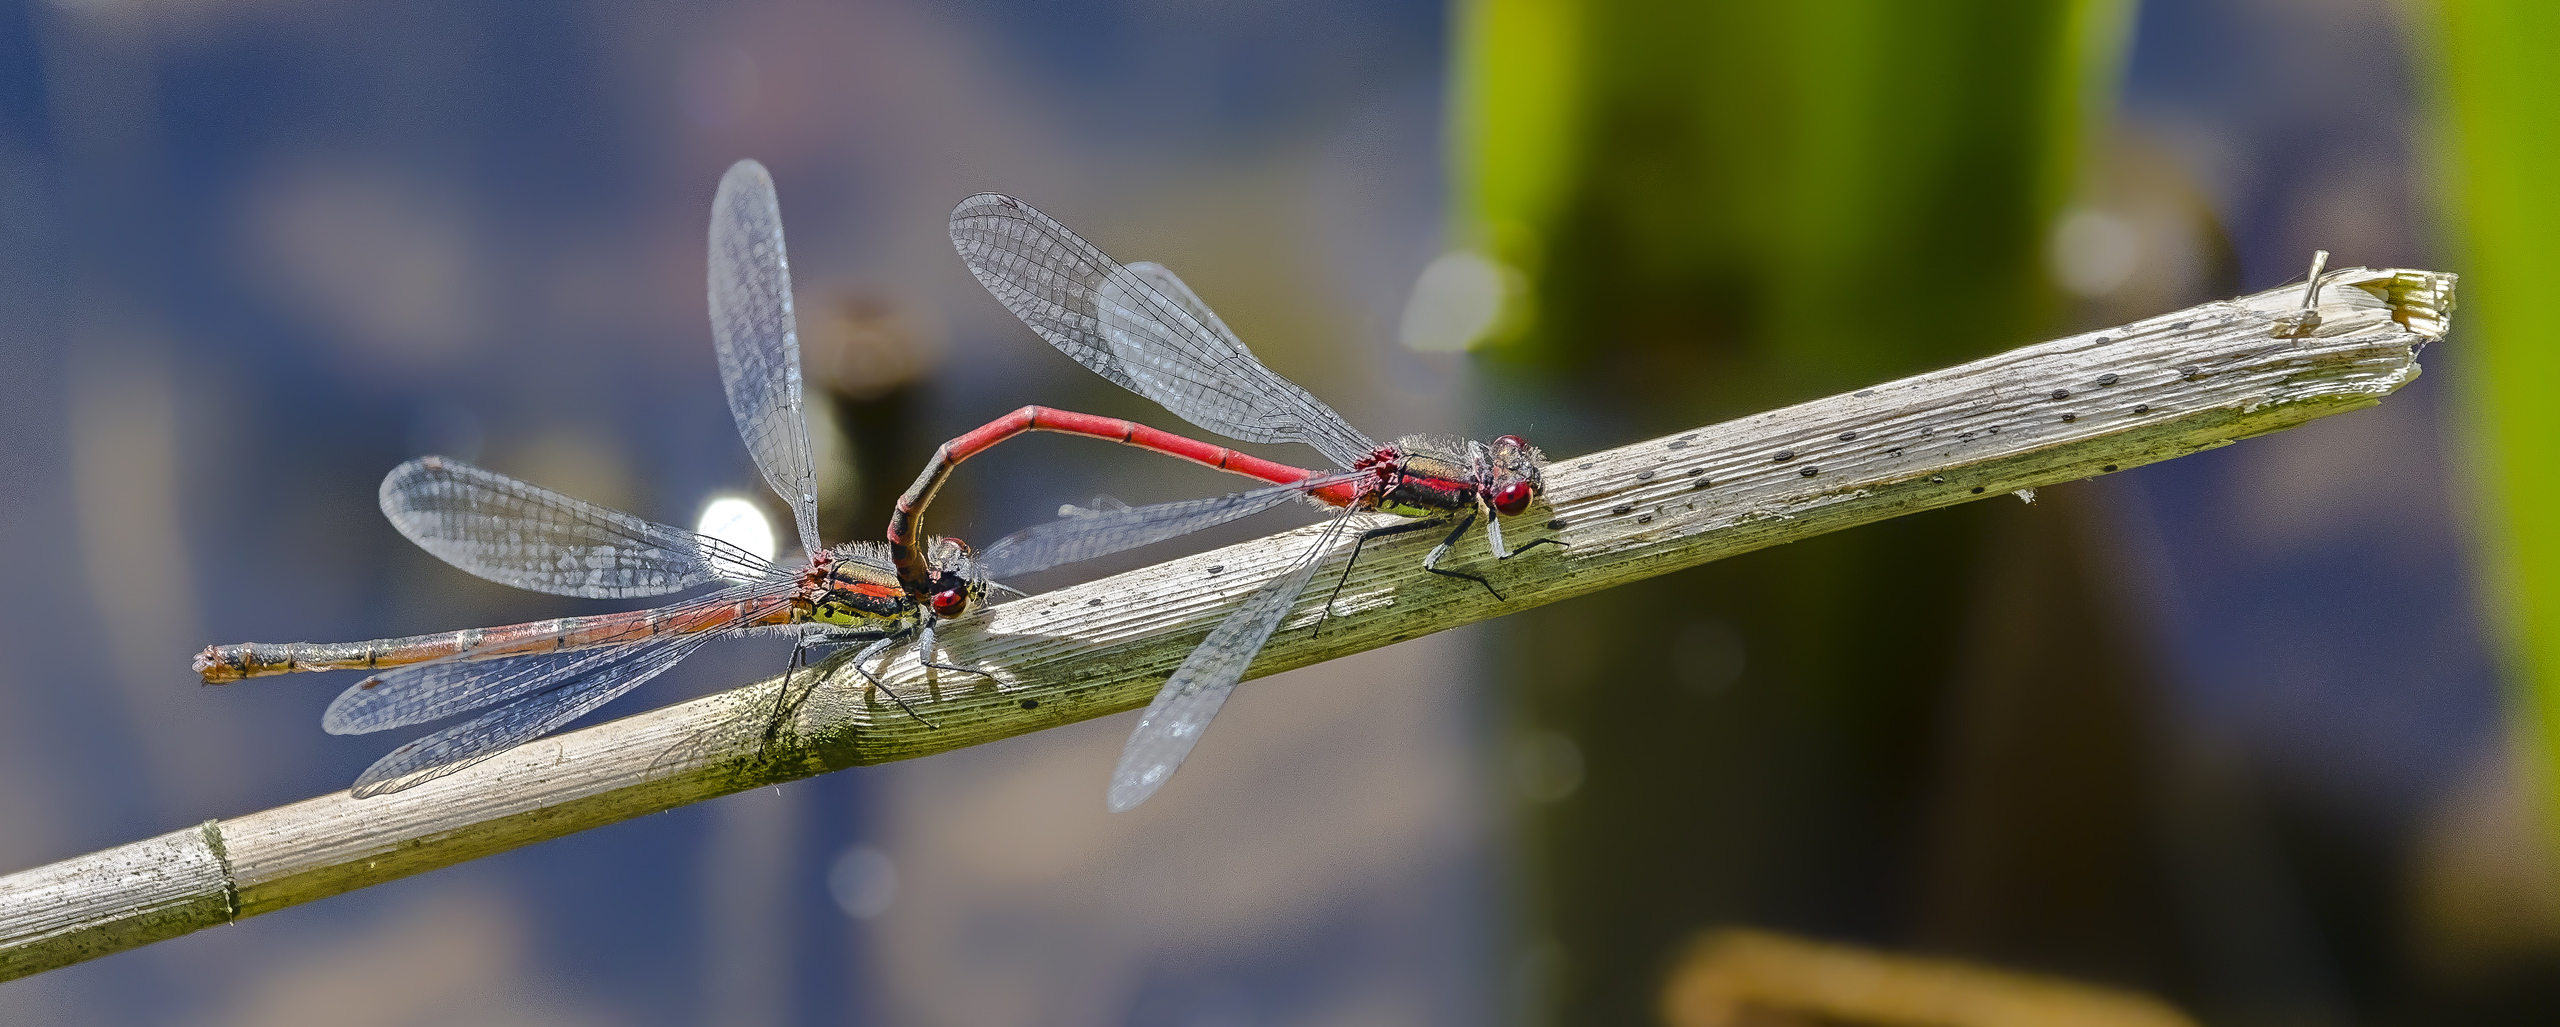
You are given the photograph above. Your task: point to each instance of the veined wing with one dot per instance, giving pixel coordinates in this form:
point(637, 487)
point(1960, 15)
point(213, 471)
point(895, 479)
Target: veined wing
point(1164, 281)
point(1273, 405)
point(1183, 708)
point(1139, 330)
point(1103, 532)
point(571, 692)
point(427, 692)
point(431, 691)
point(519, 534)
point(759, 344)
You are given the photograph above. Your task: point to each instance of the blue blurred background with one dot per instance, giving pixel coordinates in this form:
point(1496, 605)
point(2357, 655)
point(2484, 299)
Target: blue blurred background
point(253, 254)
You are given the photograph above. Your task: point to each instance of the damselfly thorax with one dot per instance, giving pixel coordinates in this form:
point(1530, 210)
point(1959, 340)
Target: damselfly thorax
point(1438, 476)
point(842, 590)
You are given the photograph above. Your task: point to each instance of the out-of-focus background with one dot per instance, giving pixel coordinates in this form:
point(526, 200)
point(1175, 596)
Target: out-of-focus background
point(2245, 738)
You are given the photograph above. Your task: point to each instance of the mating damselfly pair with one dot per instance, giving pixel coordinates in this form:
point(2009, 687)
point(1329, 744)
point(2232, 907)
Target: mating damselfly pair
point(1137, 325)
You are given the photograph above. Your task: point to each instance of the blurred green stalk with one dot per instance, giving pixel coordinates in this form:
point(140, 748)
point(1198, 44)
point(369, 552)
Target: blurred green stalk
point(1711, 208)
point(2500, 84)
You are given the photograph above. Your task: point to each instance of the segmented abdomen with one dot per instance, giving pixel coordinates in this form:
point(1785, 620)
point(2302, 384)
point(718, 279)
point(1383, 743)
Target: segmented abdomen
point(222, 664)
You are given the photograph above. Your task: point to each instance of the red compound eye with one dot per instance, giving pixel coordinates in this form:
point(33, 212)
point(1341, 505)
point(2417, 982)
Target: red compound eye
point(1511, 442)
point(949, 602)
point(1511, 499)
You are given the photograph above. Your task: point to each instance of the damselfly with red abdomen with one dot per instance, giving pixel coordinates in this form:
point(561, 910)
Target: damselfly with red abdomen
point(541, 675)
point(1140, 326)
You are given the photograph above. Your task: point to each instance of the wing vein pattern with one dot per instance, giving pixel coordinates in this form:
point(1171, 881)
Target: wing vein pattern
point(1191, 697)
point(1101, 533)
point(1139, 330)
point(571, 692)
point(520, 534)
point(469, 680)
point(753, 329)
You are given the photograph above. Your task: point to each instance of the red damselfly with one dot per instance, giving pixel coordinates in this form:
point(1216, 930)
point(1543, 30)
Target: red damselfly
point(541, 675)
point(1140, 326)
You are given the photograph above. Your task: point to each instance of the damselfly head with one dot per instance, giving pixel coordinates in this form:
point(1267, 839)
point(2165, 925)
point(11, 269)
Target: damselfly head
point(1514, 475)
point(956, 583)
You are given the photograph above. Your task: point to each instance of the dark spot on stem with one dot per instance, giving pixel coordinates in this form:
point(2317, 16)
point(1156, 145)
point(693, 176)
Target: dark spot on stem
point(1848, 436)
point(1977, 490)
point(1810, 471)
point(1646, 519)
point(2142, 409)
point(1095, 601)
point(1783, 456)
point(1622, 509)
point(1029, 704)
point(1644, 475)
point(1556, 525)
point(1217, 568)
point(2068, 418)
point(2062, 394)
point(2110, 469)
point(1696, 471)
point(2106, 379)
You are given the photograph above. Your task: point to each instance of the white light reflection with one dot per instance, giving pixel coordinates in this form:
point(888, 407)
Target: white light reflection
point(863, 881)
point(2095, 252)
point(1456, 304)
point(741, 523)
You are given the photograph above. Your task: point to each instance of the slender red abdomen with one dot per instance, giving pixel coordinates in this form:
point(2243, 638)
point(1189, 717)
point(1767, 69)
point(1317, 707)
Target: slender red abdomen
point(222, 664)
point(906, 532)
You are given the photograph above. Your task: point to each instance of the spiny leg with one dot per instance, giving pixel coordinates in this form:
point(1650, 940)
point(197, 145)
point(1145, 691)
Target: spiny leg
point(1431, 562)
point(782, 701)
point(925, 651)
point(882, 687)
point(1535, 543)
point(1326, 610)
point(1493, 531)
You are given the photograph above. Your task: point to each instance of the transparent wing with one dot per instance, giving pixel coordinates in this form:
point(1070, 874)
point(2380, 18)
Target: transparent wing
point(1143, 331)
point(530, 537)
point(423, 692)
point(570, 693)
point(1101, 505)
point(1096, 533)
point(752, 327)
point(1172, 287)
point(1183, 708)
